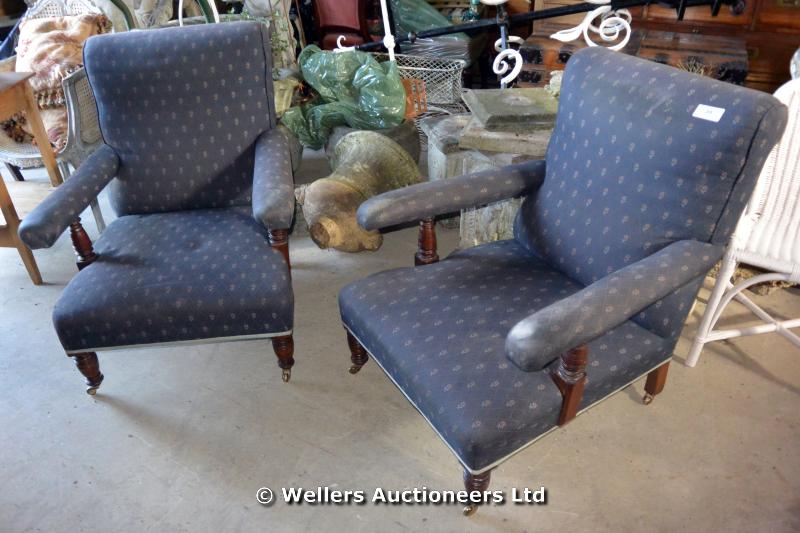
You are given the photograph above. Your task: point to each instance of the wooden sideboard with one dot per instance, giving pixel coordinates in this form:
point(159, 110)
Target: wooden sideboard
point(769, 28)
point(722, 58)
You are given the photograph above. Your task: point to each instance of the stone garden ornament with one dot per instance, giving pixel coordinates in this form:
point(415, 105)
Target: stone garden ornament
point(365, 164)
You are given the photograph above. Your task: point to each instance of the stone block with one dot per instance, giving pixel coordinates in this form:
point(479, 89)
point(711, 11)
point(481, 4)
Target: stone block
point(532, 143)
point(512, 110)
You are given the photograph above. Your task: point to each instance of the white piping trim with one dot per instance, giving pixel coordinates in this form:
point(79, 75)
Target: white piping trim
point(183, 343)
point(524, 446)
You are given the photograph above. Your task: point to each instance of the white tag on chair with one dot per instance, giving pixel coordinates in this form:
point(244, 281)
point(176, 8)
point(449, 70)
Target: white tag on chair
point(707, 112)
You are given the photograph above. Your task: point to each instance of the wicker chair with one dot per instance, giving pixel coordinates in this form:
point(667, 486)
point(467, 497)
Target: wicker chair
point(83, 135)
point(767, 237)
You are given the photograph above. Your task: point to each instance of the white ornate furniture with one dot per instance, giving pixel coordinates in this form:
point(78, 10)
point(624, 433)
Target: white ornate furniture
point(83, 135)
point(766, 237)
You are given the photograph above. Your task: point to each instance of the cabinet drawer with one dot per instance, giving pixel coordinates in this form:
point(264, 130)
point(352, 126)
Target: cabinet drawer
point(778, 14)
point(701, 16)
point(769, 56)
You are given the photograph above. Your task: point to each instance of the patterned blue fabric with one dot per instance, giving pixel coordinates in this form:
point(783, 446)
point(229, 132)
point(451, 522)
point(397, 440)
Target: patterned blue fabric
point(769, 130)
point(189, 275)
point(273, 182)
point(631, 170)
point(187, 115)
point(537, 340)
point(439, 332)
point(423, 200)
point(182, 107)
point(45, 224)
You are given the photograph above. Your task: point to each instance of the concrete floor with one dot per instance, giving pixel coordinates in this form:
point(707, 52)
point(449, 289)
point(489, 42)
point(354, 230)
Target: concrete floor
point(180, 439)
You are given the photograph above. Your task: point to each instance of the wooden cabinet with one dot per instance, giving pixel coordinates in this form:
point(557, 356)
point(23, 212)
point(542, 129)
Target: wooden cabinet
point(770, 30)
point(719, 57)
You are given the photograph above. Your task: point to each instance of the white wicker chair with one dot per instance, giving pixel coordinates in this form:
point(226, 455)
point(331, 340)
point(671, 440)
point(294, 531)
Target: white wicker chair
point(767, 237)
point(83, 135)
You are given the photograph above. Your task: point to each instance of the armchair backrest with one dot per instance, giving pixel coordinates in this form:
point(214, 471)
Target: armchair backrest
point(643, 155)
point(182, 107)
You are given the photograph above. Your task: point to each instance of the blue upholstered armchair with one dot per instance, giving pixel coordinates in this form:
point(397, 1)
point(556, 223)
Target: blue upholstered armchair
point(202, 183)
point(646, 174)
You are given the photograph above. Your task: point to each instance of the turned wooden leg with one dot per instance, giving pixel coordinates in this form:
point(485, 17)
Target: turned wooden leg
point(284, 349)
point(82, 244)
point(426, 244)
point(358, 355)
point(90, 368)
point(570, 378)
point(279, 239)
point(656, 380)
point(479, 482)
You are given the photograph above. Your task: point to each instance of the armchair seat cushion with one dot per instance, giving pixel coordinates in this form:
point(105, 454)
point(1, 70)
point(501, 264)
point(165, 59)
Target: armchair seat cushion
point(177, 277)
point(439, 331)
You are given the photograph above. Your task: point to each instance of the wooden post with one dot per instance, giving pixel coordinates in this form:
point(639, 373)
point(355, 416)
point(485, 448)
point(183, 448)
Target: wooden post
point(9, 234)
point(358, 355)
point(279, 239)
point(284, 349)
point(426, 244)
point(40, 135)
point(656, 380)
point(82, 244)
point(479, 482)
point(90, 368)
point(570, 378)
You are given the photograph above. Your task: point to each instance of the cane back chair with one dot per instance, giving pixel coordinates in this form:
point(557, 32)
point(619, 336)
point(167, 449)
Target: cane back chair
point(83, 134)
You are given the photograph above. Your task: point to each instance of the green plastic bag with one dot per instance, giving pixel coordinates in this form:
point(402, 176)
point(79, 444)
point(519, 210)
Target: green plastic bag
point(354, 90)
point(414, 16)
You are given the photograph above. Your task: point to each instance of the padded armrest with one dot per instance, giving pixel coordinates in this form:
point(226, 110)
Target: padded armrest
point(42, 227)
point(424, 200)
point(273, 181)
point(537, 340)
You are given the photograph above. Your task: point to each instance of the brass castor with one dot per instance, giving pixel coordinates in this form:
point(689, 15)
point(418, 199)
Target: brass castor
point(286, 375)
point(355, 368)
point(470, 510)
point(648, 398)
point(92, 390)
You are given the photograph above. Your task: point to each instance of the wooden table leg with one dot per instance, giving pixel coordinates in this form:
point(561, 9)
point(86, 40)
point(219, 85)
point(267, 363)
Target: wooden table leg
point(9, 236)
point(40, 134)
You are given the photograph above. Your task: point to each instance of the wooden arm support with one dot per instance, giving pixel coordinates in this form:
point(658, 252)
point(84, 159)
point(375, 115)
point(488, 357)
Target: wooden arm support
point(426, 244)
point(570, 378)
point(82, 244)
point(279, 239)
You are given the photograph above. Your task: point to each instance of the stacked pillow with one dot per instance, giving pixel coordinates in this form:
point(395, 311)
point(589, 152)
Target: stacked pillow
point(52, 48)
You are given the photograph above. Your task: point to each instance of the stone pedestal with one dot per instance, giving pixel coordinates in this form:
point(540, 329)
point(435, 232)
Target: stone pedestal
point(447, 158)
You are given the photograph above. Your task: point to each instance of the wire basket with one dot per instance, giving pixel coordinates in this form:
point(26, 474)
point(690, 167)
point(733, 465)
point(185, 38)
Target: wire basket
point(442, 77)
point(443, 84)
